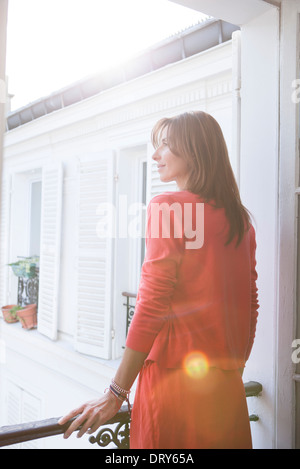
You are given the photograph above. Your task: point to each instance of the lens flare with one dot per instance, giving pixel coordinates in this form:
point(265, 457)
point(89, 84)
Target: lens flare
point(196, 365)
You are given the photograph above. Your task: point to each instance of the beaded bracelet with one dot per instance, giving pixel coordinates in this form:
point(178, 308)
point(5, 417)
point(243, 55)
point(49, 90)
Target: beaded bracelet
point(120, 393)
point(117, 394)
point(119, 389)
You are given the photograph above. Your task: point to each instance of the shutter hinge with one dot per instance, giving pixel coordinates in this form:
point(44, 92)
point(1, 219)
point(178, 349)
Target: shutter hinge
point(112, 333)
point(116, 177)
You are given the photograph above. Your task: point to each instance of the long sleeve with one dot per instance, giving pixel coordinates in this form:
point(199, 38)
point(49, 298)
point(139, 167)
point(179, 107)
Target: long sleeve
point(254, 294)
point(158, 277)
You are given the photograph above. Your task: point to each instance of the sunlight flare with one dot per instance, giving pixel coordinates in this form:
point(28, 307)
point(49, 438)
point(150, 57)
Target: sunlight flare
point(196, 365)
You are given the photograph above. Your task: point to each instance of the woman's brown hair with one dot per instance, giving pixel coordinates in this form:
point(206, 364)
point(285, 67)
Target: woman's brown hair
point(197, 137)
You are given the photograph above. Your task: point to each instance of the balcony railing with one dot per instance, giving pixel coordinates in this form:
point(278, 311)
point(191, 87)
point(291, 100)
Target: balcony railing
point(118, 436)
point(129, 308)
point(28, 289)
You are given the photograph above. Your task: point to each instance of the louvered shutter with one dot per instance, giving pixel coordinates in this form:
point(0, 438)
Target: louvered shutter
point(31, 412)
point(95, 256)
point(4, 238)
point(154, 184)
point(13, 404)
point(52, 183)
point(13, 407)
point(21, 407)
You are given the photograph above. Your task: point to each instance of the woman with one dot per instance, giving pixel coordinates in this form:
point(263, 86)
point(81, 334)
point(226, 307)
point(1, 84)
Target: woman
point(196, 311)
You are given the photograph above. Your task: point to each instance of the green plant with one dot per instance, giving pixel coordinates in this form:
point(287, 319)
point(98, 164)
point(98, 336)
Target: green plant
point(14, 311)
point(10, 313)
point(25, 267)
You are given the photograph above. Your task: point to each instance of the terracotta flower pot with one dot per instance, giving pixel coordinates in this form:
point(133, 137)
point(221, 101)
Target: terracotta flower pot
point(7, 314)
point(28, 316)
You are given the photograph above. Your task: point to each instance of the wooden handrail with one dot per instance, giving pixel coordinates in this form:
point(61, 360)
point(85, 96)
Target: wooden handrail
point(12, 434)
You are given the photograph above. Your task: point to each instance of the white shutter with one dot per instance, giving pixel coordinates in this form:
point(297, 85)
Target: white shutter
point(154, 184)
point(52, 182)
point(13, 408)
point(13, 404)
point(22, 407)
point(4, 237)
point(95, 257)
point(31, 412)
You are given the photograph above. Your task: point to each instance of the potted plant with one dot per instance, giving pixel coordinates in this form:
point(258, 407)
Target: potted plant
point(9, 313)
point(27, 315)
point(26, 268)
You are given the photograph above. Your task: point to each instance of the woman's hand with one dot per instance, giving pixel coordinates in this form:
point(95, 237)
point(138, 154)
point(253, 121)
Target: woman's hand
point(93, 414)
point(97, 412)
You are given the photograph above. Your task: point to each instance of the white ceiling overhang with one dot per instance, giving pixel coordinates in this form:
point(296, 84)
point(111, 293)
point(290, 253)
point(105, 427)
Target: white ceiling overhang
point(236, 12)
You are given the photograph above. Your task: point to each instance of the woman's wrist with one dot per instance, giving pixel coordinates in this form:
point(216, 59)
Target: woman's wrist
point(119, 389)
point(114, 399)
point(119, 393)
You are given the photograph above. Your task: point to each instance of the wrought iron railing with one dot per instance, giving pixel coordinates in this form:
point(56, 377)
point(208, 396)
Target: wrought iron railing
point(129, 308)
point(28, 289)
point(118, 435)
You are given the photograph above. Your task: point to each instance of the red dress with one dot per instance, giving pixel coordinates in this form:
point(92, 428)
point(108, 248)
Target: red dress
point(195, 317)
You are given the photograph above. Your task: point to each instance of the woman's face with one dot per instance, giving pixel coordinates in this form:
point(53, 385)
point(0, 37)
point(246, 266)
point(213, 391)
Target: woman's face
point(170, 166)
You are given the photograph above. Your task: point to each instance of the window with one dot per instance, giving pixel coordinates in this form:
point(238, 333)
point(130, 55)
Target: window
point(35, 218)
point(22, 211)
point(131, 212)
point(131, 192)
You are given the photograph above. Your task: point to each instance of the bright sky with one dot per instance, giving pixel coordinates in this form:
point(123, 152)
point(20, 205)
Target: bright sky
point(52, 43)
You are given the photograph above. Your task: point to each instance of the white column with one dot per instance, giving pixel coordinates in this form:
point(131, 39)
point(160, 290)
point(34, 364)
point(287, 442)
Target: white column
point(285, 412)
point(259, 193)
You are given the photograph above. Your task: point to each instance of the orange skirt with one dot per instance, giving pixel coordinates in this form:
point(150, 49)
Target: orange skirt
point(172, 410)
